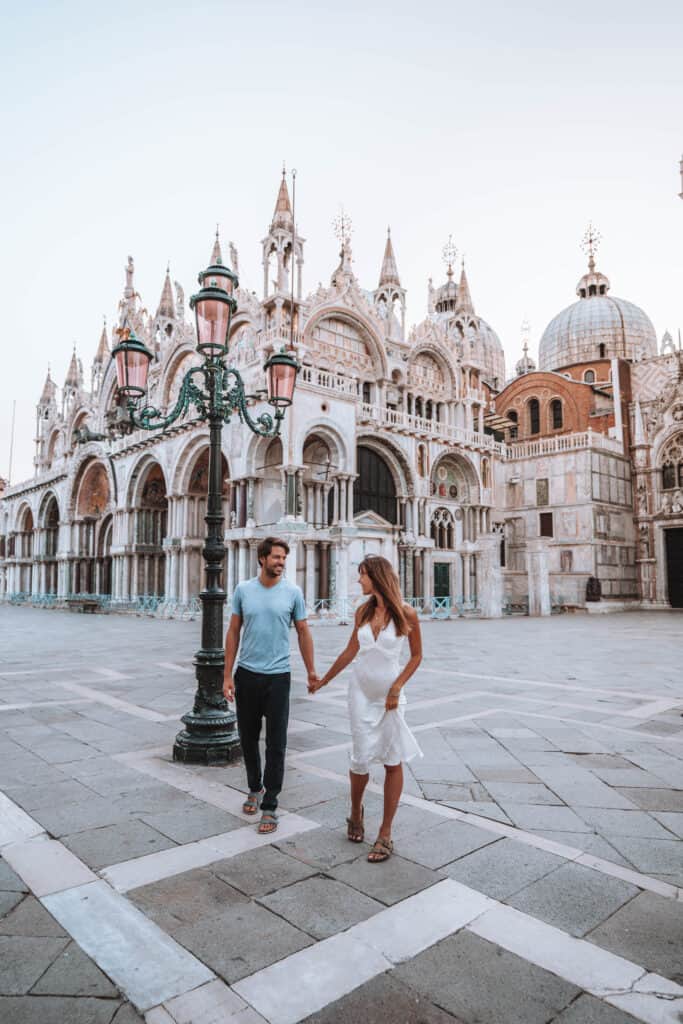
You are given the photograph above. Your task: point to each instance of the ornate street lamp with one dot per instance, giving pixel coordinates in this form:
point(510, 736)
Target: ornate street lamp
point(216, 391)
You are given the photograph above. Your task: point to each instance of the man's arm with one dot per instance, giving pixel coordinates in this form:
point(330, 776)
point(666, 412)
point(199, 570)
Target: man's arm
point(306, 647)
point(232, 642)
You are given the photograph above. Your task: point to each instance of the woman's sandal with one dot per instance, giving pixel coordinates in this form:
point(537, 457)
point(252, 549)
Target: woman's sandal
point(382, 850)
point(251, 804)
point(355, 830)
point(268, 823)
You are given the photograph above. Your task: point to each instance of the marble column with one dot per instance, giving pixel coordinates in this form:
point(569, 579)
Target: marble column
point(309, 553)
point(466, 576)
point(230, 568)
point(324, 584)
point(335, 501)
point(538, 576)
point(242, 561)
point(349, 514)
point(490, 577)
point(342, 500)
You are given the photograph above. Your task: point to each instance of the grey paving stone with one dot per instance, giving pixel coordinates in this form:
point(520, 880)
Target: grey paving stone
point(23, 959)
point(100, 847)
point(30, 918)
point(127, 1014)
point(241, 940)
point(384, 1000)
point(483, 810)
point(528, 816)
point(74, 974)
point(588, 1010)
point(56, 1010)
point(663, 856)
point(186, 899)
point(261, 871)
point(457, 974)
point(51, 795)
point(321, 906)
point(387, 882)
point(409, 821)
point(443, 843)
point(671, 820)
point(574, 898)
point(655, 799)
point(9, 881)
point(333, 813)
point(451, 771)
point(321, 849)
point(649, 931)
point(93, 812)
point(313, 791)
point(187, 826)
point(493, 774)
point(521, 793)
point(608, 821)
point(9, 900)
point(503, 868)
point(589, 842)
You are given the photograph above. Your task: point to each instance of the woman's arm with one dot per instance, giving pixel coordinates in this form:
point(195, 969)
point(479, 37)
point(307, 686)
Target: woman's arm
point(344, 659)
point(415, 641)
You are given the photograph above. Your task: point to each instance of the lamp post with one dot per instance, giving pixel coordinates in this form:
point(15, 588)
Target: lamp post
point(216, 391)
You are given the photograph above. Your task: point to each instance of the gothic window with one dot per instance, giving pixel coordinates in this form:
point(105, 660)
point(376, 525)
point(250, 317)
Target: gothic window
point(556, 413)
point(589, 377)
point(512, 415)
point(342, 341)
point(366, 392)
point(425, 372)
point(443, 529)
point(51, 528)
point(602, 351)
point(374, 489)
point(418, 407)
point(429, 410)
point(534, 416)
point(671, 461)
point(152, 514)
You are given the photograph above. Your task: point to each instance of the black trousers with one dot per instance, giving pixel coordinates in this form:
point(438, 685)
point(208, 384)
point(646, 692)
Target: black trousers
point(260, 696)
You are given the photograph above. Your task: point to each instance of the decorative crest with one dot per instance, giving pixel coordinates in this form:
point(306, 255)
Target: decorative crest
point(590, 244)
point(449, 254)
point(343, 228)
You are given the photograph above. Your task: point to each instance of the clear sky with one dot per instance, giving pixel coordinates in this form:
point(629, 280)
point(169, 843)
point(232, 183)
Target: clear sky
point(135, 127)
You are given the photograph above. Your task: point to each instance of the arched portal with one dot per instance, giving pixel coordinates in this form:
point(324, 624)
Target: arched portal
point(24, 551)
point(91, 504)
point(51, 535)
point(194, 506)
point(374, 489)
point(151, 519)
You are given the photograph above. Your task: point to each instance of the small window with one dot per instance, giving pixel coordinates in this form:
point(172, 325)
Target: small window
point(556, 413)
point(512, 415)
point(669, 477)
point(534, 416)
point(589, 377)
point(366, 392)
point(546, 524)
point(602, 351)
point(542, 493)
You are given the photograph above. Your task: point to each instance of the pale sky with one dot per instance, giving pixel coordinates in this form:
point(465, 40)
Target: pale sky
point(135, 127)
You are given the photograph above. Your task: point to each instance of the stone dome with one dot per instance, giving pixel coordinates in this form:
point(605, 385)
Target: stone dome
point(598, 326)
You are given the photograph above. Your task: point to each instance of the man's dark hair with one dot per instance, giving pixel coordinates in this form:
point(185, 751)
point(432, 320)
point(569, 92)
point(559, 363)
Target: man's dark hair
point(267, 545)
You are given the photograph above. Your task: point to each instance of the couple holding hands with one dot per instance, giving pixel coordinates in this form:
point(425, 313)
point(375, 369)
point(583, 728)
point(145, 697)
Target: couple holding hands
point(263, 610)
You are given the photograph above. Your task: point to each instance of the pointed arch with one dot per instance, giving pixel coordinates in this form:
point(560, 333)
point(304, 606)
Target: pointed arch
point(371, 337)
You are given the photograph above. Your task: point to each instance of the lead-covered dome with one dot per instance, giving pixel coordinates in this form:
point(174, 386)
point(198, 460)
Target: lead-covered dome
point(598, 326)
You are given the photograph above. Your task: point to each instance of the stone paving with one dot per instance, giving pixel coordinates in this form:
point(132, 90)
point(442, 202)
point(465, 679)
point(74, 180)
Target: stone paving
point(538, 874)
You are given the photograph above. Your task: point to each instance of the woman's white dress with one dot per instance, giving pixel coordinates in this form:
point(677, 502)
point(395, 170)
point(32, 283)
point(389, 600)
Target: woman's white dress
point(378, 734)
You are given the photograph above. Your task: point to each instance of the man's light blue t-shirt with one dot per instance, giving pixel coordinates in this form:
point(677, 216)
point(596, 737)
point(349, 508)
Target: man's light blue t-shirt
point(267, 614)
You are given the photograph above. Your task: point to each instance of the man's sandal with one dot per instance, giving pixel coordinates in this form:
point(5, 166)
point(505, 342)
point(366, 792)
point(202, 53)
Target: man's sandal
point(382, 850)
point(355, 830)
point(251, 804)
point(268, 823)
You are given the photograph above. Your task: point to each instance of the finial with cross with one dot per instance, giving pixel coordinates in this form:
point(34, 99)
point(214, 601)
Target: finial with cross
point(590, 243)
point(343, 228)
point(448, 254)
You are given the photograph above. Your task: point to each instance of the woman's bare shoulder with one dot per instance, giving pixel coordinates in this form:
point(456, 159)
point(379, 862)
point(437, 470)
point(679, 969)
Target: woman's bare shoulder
point(410, 614)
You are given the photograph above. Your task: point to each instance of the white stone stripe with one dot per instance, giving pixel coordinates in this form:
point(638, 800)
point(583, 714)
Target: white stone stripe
point(110, 673)
point(213, 1003)
point(144, 962)
point(43, 704)
point(656, 707)
point(98, 697)
point(47, 866)
point(644, 737)
point(16, 825)
point(131, 874)
point(596, 970)
point(173, 667)
point(292, 989)
point(570, 853)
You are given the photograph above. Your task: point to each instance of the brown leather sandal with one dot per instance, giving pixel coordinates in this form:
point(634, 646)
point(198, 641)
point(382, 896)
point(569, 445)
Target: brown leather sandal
point(251, 804)
point(382, 850)
point(355, 830)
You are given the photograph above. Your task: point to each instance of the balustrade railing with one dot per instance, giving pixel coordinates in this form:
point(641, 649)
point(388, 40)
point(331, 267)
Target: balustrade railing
point(562, 443)
point(398, 420)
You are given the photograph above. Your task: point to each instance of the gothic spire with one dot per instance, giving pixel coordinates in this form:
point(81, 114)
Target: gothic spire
point(389, 272)
point(102, 353)
point(166, 303)
point(49, 389)
point(216, 254)
point(282, 217)
point(73, 374)
point(464, 299)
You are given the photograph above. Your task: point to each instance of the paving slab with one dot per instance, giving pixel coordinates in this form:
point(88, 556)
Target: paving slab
point(671, 820)
point(321, 849)
point(30, 918)
point(573, 898)
point(609, 821)
point(23, 959)
point(59, 1010)
point(74, 974)
point(443, 843)
point(649, 931)
point(652, 856)
point(187, 898)
point(383, 1000)
point(189, 825)
point(457, 972)
point(502, 868)
point(321, 907)
point(589, 1010)
point(655, 799)
point(10, 880)
point(261, 871)
point(535, 816)
point(395, 880)
point(100, 847)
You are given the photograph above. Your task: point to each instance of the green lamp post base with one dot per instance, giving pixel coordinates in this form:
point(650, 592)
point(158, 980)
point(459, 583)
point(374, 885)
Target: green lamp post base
point(209, 737)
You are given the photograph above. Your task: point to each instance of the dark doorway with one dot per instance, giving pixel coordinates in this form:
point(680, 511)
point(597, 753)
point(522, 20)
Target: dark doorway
point(442, 579)
point(674, 566)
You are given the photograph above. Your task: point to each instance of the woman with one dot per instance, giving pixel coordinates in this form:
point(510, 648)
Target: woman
point(376, 701)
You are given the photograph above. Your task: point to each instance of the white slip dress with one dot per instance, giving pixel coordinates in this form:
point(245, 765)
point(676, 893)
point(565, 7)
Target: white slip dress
point(378, 735)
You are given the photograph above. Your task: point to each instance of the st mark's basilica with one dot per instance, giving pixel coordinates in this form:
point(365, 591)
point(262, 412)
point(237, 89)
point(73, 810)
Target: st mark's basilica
point(556, 487)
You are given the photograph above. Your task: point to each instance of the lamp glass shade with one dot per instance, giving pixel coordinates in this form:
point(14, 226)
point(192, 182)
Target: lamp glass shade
point(213, 320)
point(219, 277)
point(132, 366)
point(282, 371)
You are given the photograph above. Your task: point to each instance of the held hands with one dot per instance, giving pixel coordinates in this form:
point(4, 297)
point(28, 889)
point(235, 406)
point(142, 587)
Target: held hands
point(229, 688)
point(315, 682)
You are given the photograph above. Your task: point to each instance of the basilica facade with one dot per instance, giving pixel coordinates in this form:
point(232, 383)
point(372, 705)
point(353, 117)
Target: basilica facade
point(559, 488)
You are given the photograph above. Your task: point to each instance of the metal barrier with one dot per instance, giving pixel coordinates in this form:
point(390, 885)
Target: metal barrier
point(441, 607)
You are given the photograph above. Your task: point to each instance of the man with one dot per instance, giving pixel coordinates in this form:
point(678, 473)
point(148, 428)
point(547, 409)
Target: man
point(263, 610)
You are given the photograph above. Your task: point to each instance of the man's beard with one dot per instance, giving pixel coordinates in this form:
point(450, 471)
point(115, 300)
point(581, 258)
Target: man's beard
point(273, 572)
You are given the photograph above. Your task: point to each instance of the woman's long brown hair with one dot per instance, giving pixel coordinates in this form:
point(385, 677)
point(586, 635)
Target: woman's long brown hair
point(386, 582)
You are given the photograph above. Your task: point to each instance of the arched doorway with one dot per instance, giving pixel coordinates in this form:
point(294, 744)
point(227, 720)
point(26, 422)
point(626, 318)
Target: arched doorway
point(24, 550)
point(193, 579)
point(90, 541)
point(151, 518)
point(374, 489)
point(51, 534)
